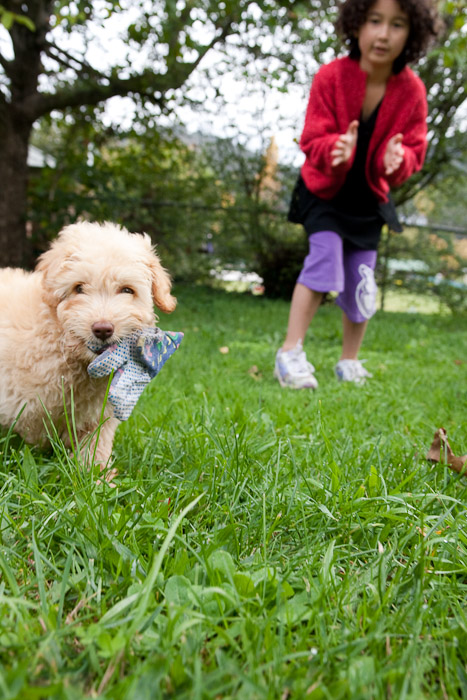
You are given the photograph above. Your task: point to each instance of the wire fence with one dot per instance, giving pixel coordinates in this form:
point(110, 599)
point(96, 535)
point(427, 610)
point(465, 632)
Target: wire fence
point(259, 207)
point(435, 227)
point(195, 236)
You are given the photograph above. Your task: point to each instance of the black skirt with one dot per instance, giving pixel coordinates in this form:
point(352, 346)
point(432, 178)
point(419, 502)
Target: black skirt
point(361, 229)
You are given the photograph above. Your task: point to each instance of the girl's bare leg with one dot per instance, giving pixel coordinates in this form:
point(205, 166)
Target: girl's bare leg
point(305, 303)
point(353, 334)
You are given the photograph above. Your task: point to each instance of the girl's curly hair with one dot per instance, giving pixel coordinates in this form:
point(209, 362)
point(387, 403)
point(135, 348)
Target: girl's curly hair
point(425, 26)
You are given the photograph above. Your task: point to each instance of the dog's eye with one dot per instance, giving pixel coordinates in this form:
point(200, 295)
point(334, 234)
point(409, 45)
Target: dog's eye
point(127, 290)
point(78, 289)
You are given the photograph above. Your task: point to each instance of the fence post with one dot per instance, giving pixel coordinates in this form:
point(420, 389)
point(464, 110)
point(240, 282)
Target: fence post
point(385, 263)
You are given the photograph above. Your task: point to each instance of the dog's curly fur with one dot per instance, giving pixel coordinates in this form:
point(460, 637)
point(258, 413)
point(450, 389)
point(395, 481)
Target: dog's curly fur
point(93, 274)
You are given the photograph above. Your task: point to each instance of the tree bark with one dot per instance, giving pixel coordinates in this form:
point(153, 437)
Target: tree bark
point(14, 139)
point(16, 120)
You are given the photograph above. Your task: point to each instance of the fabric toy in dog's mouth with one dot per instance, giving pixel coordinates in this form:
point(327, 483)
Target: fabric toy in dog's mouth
point(136, 359)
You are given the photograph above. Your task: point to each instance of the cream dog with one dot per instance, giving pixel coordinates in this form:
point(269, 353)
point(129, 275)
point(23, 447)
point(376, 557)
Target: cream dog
point(96, 283)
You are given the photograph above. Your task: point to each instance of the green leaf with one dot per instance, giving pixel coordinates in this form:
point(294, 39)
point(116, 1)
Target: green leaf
point(326, 569)
point(244, 584)
point(7, 18)
point(177, 590)
point(221, 562)
point(373, 482)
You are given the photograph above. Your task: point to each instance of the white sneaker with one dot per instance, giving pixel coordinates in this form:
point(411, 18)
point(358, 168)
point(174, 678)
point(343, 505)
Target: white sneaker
point(351, 371)
point(292, 369)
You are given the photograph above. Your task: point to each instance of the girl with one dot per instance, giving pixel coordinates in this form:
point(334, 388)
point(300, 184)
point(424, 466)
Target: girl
point(365, 131)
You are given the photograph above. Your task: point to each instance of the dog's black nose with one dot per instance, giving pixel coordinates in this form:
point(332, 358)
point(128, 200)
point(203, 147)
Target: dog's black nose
point(102, 330)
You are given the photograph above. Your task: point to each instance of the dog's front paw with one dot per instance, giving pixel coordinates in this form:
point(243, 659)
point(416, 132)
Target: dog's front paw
point(109, 477)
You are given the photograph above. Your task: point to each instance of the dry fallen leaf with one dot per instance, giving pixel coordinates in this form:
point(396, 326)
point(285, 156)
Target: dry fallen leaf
point(440, 451)
point(254, 372)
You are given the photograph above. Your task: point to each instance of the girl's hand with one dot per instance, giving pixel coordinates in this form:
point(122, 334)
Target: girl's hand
point(394, 154)
point(344, 145)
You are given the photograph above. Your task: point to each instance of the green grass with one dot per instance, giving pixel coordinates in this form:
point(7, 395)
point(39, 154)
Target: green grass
point(260, 543)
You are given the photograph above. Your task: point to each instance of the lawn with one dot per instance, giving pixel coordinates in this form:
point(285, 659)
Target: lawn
point(260, 543)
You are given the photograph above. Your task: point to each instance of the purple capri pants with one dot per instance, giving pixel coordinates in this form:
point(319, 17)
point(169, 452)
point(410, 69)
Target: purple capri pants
point(331, 266)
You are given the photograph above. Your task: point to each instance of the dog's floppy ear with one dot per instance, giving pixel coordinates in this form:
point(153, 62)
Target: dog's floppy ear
point(161, 286)
point(51, 264)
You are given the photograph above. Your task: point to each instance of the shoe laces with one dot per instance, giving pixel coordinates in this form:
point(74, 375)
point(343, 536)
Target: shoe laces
point(355, 368)
point(297, 360)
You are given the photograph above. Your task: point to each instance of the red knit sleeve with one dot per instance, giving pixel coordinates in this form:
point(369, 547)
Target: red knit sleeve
point(321, 129)
point(414, 140)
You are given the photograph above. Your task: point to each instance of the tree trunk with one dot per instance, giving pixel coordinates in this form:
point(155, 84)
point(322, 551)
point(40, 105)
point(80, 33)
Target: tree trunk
point(14, 139)
point(17, 115)
point(21, 103)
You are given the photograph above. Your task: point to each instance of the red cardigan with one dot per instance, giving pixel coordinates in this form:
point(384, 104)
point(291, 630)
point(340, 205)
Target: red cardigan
point(336, 99)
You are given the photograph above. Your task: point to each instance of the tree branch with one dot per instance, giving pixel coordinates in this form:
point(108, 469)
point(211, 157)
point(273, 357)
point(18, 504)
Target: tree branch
point(6, 65)
point(91, 92)
point(66, 59)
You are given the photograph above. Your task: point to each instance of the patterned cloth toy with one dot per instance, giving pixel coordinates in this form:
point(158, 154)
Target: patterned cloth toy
point(136, 360)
